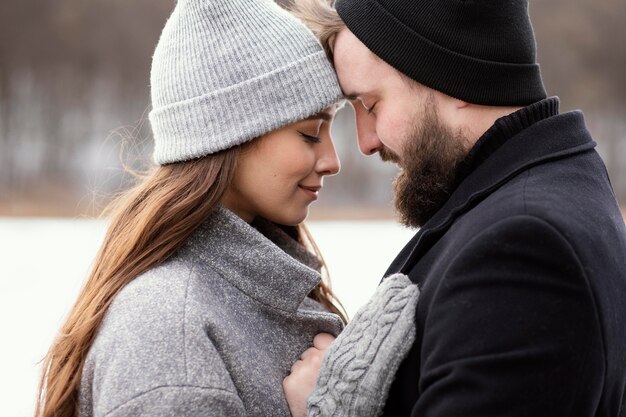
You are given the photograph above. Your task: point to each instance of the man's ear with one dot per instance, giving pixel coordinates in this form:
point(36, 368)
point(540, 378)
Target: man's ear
point(452, 110)
point(459, 104)
point(450, 104)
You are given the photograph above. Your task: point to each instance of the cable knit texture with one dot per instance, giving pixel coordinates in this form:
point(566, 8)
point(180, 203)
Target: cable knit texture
point(360, 365)
point(227, 71)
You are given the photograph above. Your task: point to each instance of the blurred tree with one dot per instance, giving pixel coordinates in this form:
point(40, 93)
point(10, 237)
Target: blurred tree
point(582, 49)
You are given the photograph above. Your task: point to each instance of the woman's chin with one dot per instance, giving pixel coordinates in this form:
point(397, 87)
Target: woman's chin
point(292, 218)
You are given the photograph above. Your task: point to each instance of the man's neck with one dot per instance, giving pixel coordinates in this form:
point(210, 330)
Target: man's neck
point(502, 129)
point(482, 118)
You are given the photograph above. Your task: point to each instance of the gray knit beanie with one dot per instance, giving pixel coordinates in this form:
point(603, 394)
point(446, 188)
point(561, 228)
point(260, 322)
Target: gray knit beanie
point(227, 71)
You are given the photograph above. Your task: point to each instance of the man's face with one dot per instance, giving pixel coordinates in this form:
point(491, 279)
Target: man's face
point(400, 120)
point(431, 155)
point(386, 106)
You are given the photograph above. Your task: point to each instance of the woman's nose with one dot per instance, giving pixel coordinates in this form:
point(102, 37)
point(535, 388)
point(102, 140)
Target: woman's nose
point(328, 162)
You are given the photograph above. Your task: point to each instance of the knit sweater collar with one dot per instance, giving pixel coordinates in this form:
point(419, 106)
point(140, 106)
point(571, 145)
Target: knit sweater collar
point(502, 130)
point(263, 261)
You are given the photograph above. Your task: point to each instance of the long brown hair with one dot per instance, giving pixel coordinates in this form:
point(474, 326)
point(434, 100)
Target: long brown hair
point(149, 223)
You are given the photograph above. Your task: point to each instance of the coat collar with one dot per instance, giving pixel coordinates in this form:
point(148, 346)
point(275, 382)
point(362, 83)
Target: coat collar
point(279, 273)
point(553, 138)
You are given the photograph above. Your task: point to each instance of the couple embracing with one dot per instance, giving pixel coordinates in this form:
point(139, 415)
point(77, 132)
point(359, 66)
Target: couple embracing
point(207, 298)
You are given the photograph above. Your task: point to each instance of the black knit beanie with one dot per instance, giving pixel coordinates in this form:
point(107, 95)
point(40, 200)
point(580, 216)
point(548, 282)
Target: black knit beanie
point(479, 51)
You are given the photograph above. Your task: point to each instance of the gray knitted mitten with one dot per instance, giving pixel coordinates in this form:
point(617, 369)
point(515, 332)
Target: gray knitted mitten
point(361, 363)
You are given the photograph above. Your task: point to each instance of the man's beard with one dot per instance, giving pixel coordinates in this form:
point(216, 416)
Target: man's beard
point(431, 155)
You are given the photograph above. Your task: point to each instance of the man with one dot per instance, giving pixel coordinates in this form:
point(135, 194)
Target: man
point(521, 254)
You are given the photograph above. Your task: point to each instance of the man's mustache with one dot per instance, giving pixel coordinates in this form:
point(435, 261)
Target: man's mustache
point(387, 155)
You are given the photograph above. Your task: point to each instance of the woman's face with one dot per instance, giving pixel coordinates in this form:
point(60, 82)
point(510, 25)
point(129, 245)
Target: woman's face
point(281, 173)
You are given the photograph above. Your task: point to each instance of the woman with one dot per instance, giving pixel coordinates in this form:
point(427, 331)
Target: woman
point(204, 292)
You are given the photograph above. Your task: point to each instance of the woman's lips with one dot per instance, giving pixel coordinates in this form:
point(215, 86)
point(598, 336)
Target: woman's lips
point(312, 192)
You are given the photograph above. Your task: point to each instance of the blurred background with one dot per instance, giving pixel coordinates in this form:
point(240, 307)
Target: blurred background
point(74, 99)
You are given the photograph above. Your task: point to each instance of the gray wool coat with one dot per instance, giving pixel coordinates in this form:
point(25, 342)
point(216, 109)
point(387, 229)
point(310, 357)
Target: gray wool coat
point(213, 331)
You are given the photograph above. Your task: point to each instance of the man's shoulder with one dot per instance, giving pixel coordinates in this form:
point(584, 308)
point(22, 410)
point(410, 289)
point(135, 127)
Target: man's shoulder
point(573, 195)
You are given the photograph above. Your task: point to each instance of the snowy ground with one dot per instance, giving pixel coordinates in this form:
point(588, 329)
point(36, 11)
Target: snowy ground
point(43, 262)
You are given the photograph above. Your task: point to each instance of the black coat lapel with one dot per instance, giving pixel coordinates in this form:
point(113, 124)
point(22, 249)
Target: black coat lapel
point(554, 138)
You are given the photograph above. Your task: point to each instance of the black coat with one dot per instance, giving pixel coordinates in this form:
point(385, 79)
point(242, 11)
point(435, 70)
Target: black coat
point(522, 273)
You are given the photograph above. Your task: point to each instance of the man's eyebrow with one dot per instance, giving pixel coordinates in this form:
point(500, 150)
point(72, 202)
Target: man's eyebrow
point(321, 115)
point(351, 96)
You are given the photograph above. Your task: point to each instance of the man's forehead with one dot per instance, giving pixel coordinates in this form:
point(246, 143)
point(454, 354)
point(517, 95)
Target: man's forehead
point(355, 65)
point(358, 87)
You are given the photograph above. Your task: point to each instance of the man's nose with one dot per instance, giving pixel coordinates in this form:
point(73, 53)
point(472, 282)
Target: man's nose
point(368, 140)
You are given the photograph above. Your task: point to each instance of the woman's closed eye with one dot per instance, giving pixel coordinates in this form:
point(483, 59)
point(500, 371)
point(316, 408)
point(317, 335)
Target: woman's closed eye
point(310, 138)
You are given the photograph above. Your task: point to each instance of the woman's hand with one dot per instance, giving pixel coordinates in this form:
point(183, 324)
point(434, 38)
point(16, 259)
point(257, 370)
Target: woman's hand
point(301, 382)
